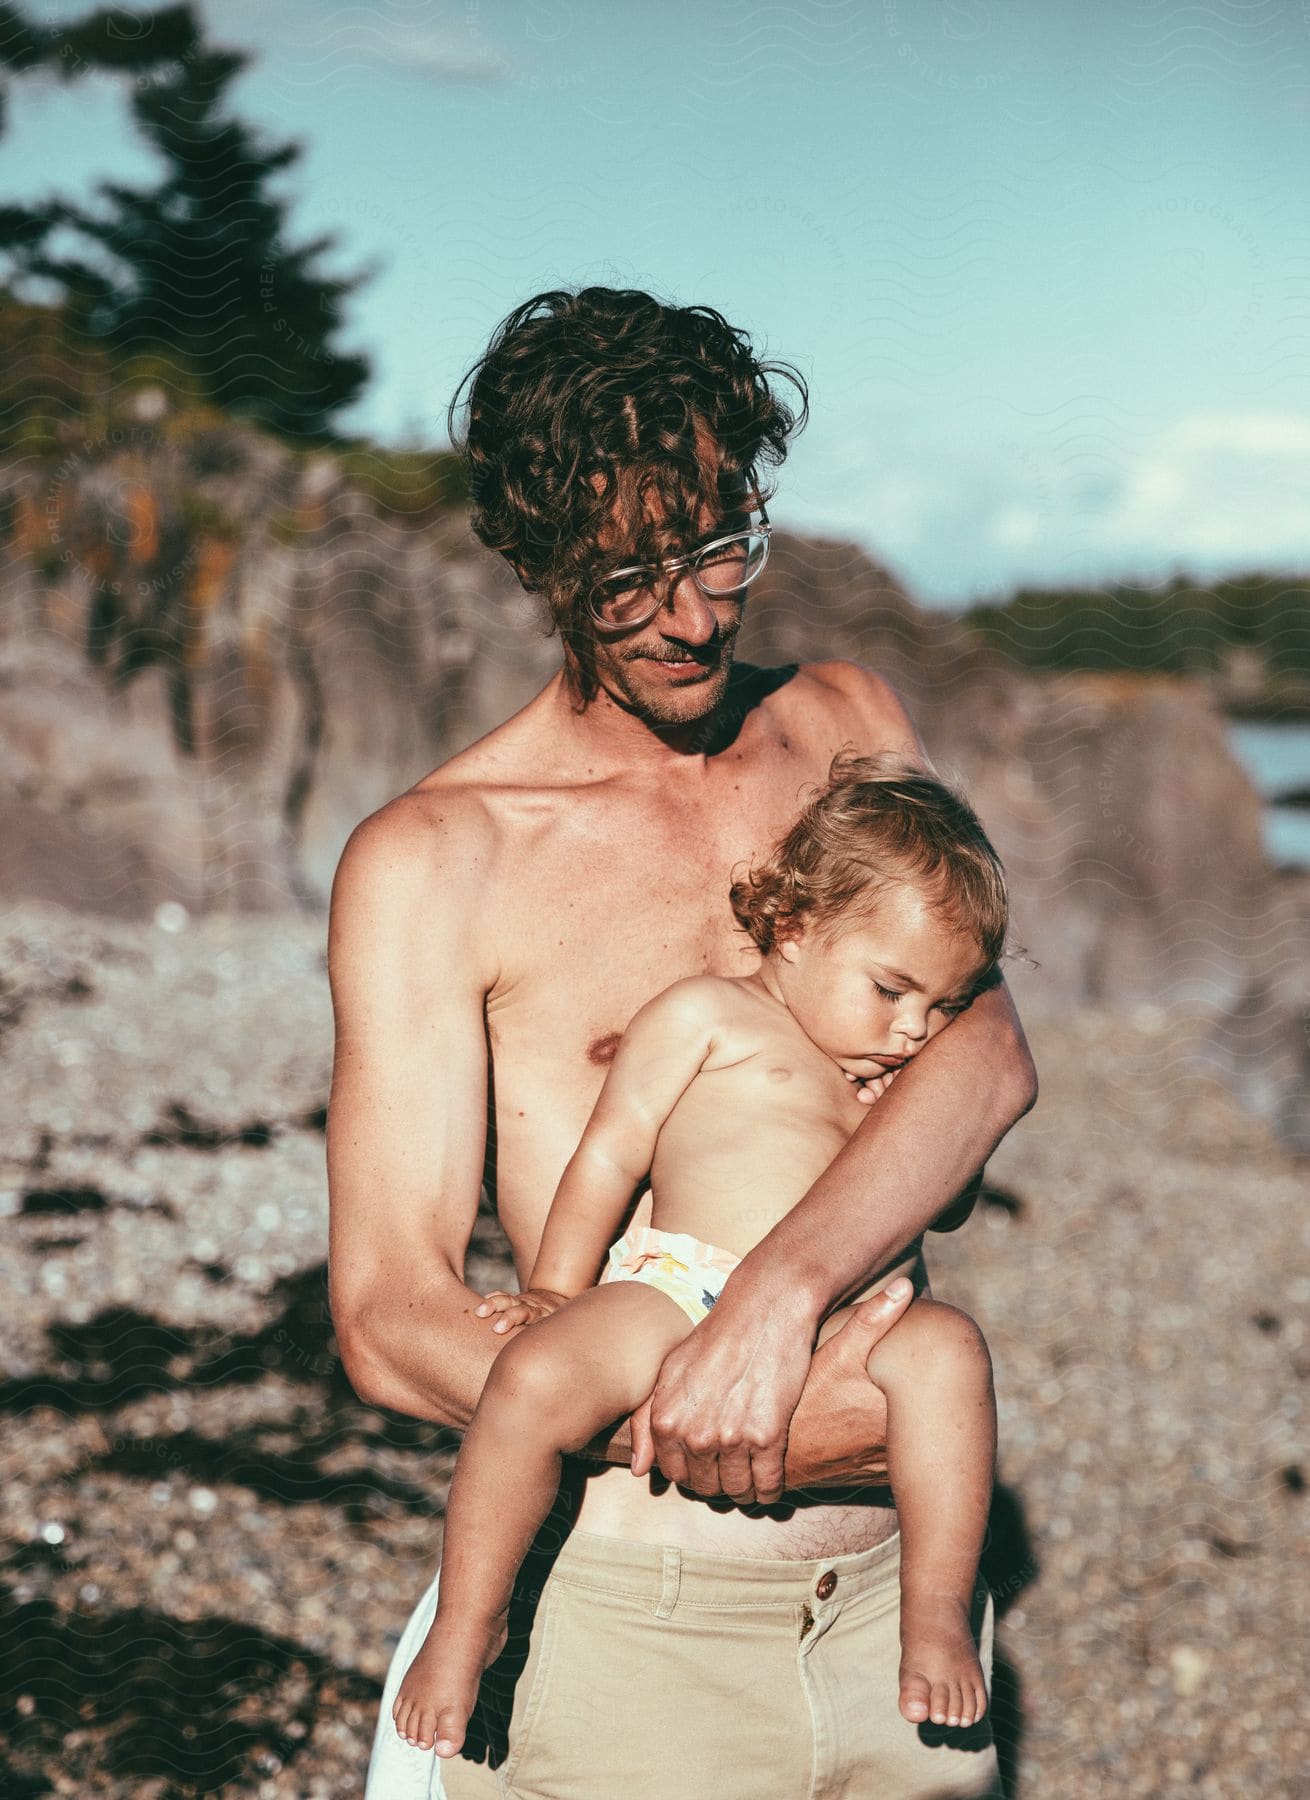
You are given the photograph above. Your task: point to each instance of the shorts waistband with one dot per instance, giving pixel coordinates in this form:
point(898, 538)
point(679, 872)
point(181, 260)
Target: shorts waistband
point(666, 1573)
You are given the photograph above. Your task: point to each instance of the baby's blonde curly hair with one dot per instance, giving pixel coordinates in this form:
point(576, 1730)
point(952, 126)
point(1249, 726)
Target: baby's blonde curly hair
point(879, 821)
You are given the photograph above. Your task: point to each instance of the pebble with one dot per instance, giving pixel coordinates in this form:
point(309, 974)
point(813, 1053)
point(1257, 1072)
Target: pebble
point(1152, 1553)
point(1188, 1669)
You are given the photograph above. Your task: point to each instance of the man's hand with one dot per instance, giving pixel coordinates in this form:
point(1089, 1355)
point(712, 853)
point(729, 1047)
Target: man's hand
point(719, 1419)
point(508, 1310)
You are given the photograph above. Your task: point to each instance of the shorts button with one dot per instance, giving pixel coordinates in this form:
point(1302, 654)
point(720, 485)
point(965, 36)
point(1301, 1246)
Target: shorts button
point(825, 1585)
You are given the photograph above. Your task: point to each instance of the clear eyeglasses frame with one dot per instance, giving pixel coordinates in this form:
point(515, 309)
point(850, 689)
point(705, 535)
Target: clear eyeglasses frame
point(624, 607)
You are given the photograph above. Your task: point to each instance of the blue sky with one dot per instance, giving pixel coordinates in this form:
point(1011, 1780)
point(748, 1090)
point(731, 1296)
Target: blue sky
point(1046, 267)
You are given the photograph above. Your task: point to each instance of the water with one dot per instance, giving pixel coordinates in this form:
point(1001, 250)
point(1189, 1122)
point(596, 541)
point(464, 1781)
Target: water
point(1277, 757)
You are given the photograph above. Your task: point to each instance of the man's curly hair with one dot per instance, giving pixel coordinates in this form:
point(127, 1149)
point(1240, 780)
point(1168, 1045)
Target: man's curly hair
point(880, 821)
point(588, 397)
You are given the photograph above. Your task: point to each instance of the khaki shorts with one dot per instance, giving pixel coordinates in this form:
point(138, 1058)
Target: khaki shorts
point(650, 1673)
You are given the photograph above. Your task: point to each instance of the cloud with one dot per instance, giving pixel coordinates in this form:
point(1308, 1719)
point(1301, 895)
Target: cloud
point(990, 507)
point(1015, 528)
point(437, 54)
point(1258, 434)
point(1218, 488)
point(342, 38)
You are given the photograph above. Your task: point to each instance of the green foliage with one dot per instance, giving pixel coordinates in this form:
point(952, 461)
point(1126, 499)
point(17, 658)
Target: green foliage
point(1179, 628)
point(53, 375)
point(63, 391)
point(199, 268)
point(206, 519)
point(410, 483)
point(62, 387)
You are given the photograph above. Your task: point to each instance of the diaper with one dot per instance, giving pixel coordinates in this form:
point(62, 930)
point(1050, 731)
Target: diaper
point(689, 1272)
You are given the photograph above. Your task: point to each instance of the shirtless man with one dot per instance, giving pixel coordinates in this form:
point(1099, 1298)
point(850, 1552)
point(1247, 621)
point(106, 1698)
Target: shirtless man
point(493, 930)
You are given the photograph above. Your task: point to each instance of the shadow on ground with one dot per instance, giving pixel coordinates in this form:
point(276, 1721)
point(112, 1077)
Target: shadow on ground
point(1009, 1565)
point(198, 1702)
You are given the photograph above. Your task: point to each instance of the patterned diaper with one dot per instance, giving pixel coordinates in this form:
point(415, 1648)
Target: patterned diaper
point(678, 1265)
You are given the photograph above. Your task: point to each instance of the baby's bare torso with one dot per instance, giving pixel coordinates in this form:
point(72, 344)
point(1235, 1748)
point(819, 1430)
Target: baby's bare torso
point(757, 1126)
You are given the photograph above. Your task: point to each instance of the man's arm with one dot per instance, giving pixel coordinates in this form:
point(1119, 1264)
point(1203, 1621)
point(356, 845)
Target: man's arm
point(407, 1115)
point(926, 1140)
point(722, 1409)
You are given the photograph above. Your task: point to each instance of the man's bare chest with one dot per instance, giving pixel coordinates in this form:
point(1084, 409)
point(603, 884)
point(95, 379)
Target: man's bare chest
point(598, 928)
point(594, 937)
point(598, 910)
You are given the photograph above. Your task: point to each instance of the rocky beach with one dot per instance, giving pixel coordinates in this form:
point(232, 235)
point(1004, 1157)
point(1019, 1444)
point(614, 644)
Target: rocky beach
point(209, 1545)
point(215, 657)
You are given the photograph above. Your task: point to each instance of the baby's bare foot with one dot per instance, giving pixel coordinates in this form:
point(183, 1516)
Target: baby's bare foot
point(941, 1677)
point(441, 1685)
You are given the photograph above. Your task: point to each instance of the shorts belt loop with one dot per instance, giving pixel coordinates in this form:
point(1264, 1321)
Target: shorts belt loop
point(671, 1582)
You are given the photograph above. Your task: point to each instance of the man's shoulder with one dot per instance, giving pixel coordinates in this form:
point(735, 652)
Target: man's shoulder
point(410, 893)
point(862, 703)
point(851, 682)
point(413, 871)
point(439, 857)
point(450, 818)
point(422, 829)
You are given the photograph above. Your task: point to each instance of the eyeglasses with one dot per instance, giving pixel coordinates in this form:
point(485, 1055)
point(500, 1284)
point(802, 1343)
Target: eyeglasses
point(723, 569)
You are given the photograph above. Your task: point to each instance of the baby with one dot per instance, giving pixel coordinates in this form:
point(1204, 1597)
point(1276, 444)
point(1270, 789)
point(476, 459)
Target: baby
point(879, 917)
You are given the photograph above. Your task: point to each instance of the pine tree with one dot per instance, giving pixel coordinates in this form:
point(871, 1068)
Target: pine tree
point(200, 265)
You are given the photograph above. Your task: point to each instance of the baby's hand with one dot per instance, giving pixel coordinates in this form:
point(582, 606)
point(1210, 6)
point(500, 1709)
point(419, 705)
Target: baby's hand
point(873, 1090)
point(508, 1310)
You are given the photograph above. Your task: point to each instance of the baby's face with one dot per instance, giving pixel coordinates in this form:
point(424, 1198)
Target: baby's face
point(875, 994)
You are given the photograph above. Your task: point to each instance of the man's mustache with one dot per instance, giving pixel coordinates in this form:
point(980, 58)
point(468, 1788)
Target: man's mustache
point(702, 662)
point(711, 653)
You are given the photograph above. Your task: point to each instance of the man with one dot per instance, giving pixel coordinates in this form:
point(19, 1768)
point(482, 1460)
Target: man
point(493, 930)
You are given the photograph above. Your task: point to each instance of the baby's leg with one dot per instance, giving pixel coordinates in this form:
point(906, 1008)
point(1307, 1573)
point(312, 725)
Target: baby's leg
point(550, 1391)
point(941, 1454)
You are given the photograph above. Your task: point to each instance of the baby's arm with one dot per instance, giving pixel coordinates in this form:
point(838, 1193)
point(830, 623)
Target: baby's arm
point(661, 1053)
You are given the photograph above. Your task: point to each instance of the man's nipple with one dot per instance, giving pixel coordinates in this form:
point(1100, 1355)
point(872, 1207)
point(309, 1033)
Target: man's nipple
point(602, 1050)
